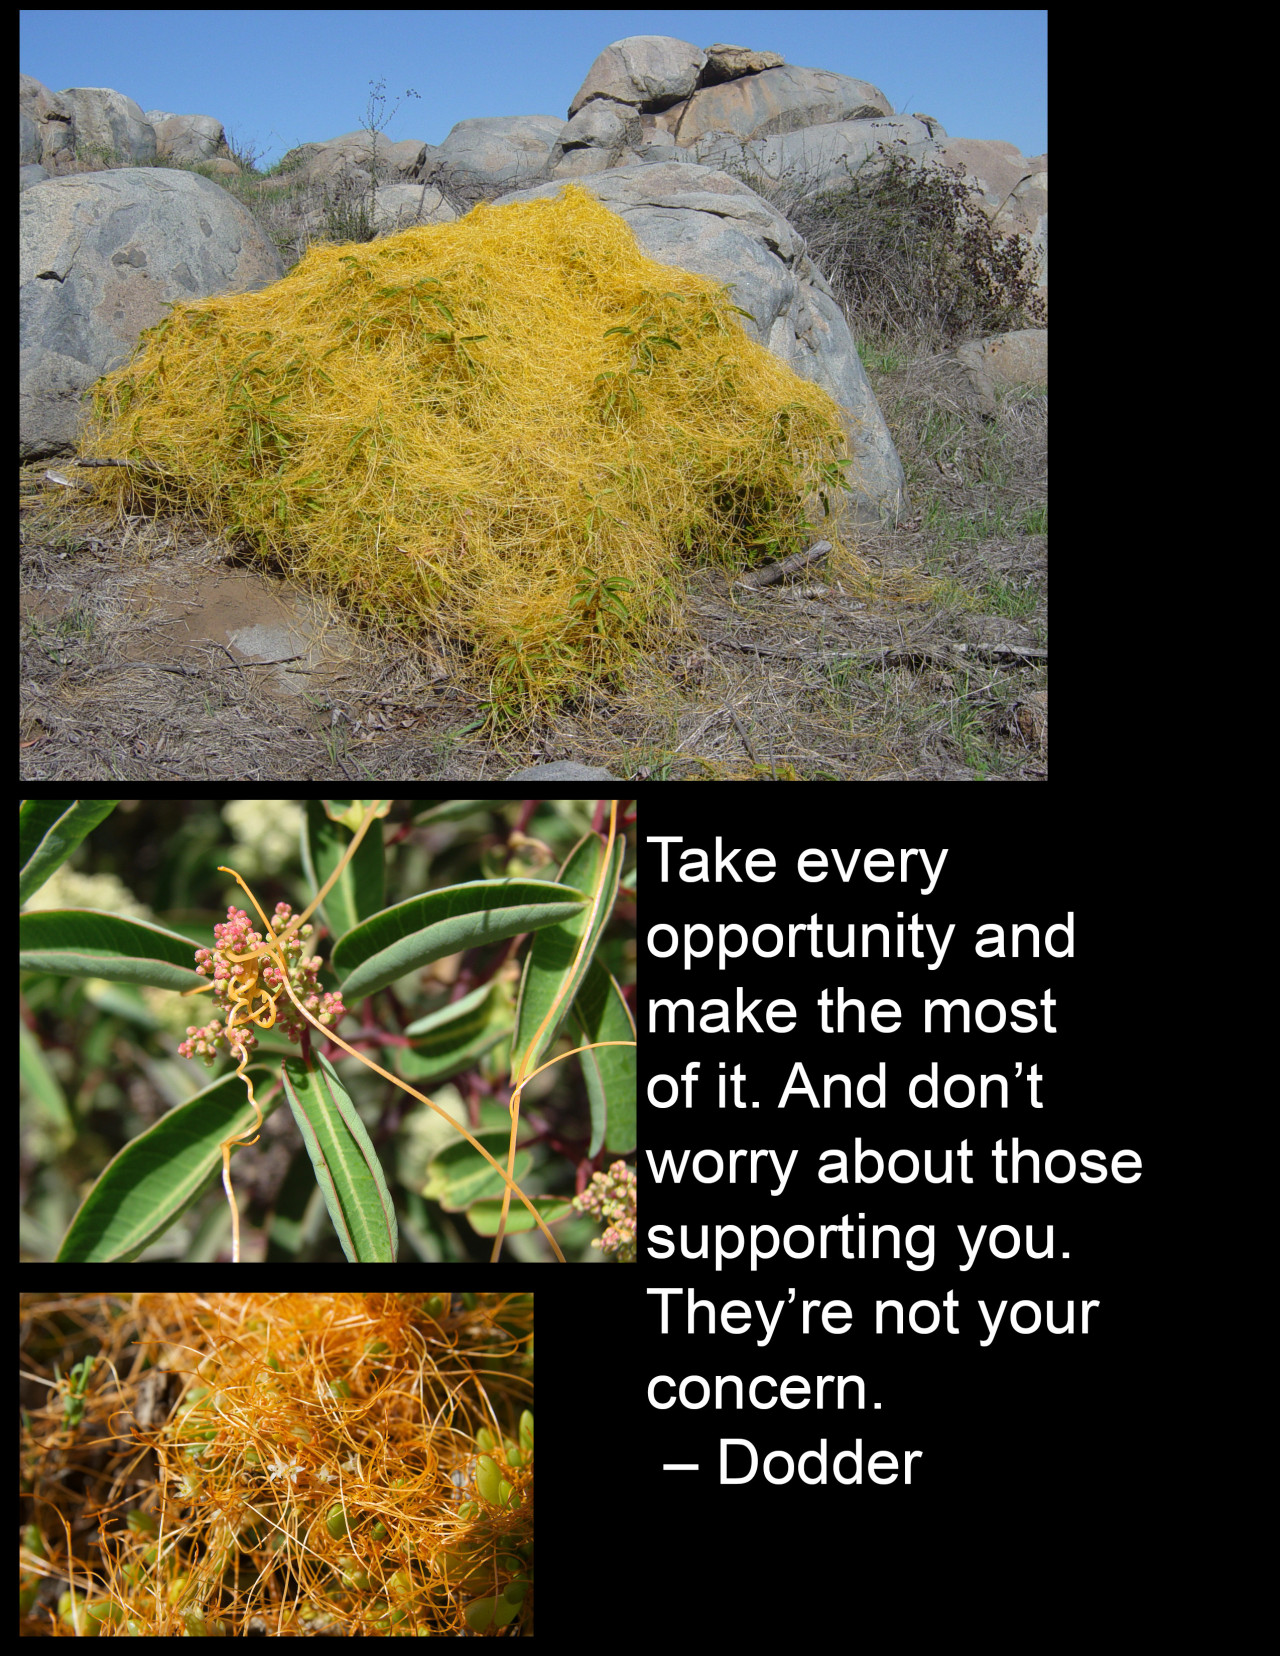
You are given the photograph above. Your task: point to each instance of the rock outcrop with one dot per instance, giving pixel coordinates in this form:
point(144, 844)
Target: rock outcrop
point(89, 127)
point(101, 256)
point(656, 128)
point(46, 130)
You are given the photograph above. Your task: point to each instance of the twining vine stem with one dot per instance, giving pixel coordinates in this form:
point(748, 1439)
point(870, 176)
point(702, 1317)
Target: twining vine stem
point(245, 985)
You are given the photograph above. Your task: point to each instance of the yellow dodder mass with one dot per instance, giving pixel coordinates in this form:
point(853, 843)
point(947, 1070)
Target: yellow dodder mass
point(453, 423)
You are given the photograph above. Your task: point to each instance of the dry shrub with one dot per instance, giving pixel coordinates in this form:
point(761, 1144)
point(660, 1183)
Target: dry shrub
point(912, 255)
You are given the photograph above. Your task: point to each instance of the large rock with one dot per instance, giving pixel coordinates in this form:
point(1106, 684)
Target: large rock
point(1020, 358)
point(399, 206)
point(101, 257)
point(46, 128)
point(648, 93)
point(597, 138)
point(188, 137)
point(728, 62)
point(778, 100)
point(498, 148)
point(967, 375)
point(702, 220)
point(819, 157)
point(92, 124)
point(354, 157)
point(109, 128)
point(646, 71)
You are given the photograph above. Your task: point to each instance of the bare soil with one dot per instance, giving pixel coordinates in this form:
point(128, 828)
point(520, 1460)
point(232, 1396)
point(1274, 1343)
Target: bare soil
point(154, 651)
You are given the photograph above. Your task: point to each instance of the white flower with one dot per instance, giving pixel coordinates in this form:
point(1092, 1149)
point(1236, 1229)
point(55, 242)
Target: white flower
point(267, 831)
point(289, 1473)
point(68, 888)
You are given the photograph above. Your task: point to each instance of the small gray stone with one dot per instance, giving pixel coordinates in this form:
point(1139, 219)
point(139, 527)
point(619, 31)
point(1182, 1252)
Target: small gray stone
point(563, 770)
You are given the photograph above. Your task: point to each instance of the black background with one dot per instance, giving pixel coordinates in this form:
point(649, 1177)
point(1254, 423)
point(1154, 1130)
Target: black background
point(1051, 1480)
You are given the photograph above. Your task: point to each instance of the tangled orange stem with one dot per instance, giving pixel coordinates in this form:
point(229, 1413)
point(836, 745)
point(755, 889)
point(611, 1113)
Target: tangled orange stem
point(330, 1035)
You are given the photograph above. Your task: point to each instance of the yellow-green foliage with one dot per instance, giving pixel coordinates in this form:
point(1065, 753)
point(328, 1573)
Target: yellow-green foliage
point(515, 428)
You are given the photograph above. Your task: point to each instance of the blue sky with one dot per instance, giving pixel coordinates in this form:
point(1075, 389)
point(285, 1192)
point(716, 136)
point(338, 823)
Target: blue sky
point(280, 78)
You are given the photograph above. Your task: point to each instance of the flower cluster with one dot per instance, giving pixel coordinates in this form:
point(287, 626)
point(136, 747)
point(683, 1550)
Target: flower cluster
point(612, 1196)
point(251, 991)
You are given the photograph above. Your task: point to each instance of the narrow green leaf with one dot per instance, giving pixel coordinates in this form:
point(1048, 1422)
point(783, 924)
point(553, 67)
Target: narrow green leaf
point(414, 933)
point(601, 1014)
point(454, 1037)
point(456, 1176)
point(449, 810)
point(48, 832)
point(159, 1174)
point(50, 1111)
point(346, 1165)
point(361, 887)
point(91, 943)
point(547, 970)
point(483, 1217)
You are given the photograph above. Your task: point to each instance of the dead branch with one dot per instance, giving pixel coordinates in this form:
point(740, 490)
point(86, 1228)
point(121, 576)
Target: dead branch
point(142, 465)
point(997, 655)
point(789, 566)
